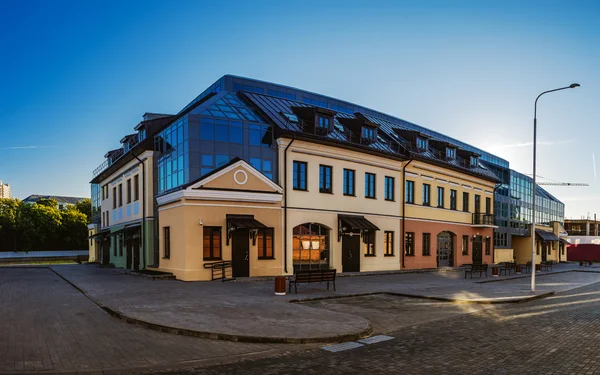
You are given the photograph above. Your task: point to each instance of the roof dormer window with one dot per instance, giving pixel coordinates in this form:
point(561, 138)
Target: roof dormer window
point(368, 133)
point(474, 161)
point(291, 117)
point(323, 122)
point(450, 153)
point(422, 143)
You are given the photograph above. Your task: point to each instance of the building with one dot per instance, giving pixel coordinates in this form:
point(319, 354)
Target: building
point(584, 238)
point(4, 190)
point(269, 179)
point(63, 202)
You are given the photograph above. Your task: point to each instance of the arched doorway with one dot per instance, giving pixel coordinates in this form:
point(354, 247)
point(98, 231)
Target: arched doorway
point(310, 246)
point(445, 249)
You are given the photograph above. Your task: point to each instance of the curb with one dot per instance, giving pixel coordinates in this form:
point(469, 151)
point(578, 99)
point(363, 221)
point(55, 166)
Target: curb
point(223, 336)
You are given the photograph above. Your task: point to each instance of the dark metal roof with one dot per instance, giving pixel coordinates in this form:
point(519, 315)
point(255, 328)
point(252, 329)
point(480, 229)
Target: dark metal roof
point(62, 199)
point(546, 236)
point(357, 222)
point(244, 222)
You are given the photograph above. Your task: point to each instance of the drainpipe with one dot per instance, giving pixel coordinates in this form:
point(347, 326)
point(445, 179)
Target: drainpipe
point(285, 164)
point(143, 209)
point(402, 239)
point(494, 231)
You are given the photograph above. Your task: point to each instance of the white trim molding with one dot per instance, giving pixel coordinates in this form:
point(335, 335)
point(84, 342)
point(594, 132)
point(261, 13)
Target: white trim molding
point(411, 174)
point(220, 195)
point(242, 164)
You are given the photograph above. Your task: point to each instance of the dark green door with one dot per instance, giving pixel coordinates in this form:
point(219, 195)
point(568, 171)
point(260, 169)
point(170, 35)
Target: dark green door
point(477, 247)
point(240, 253)
point(351, 253)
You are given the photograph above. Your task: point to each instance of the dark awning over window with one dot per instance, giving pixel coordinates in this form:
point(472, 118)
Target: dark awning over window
point(546, 236)
point(101, 233)
point(243, 222)
point(564, 241)
point(352, 223)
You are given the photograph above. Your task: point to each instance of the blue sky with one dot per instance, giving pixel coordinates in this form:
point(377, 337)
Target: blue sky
point(78, 75)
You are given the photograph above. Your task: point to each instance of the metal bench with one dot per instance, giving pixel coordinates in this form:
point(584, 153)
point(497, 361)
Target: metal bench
point(476, 268)
point(312, 276)
point(507, 268)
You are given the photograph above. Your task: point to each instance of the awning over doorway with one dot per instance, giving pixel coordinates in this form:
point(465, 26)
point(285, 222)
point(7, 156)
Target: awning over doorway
point(564, 241)
point(133, 225)
point(243, 222)
point(546, 236)
point(101, 233)
point(352, 223)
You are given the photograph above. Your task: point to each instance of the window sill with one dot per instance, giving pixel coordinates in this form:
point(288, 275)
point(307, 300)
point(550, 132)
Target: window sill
point(409, 255)
point(326, 192)
point(350, 195)
point(370, 255)
point(426, 255)
point(165, 258)
point(370, 197)
point(266, 258)
point(389, 255)
point(212, 259)
point(296, 189)
point(390, 200)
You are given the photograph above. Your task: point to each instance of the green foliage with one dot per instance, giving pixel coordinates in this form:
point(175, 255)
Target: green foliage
point(41, 225)
point(85, 207)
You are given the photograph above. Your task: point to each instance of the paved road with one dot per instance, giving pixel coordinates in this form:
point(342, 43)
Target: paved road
point(47, 325)
point(558, 335)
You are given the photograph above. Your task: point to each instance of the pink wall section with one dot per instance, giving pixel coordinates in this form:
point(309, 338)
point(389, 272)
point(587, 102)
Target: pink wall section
point(419, 227)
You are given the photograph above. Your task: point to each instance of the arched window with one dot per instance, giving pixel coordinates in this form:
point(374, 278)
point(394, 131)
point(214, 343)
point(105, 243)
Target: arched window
point(310, 246)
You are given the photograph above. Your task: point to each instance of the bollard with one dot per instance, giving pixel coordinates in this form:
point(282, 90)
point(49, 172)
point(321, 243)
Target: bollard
point(495, 271)
point(280, 285)
point(518, 269)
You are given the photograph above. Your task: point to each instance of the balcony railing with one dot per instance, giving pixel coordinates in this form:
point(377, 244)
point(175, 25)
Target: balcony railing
point(484, 219)
point(116, 156)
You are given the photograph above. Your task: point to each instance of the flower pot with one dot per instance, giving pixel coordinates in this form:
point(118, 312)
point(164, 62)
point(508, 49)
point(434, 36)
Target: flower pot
point(495, 271)
point(538, 268)
point(518, 269)
point(591, 262)
point(580, 263)
point(280, 285)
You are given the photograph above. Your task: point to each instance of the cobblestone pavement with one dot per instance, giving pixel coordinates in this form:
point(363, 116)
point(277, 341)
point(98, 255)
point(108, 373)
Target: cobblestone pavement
point(47, 325)
point(557, 335)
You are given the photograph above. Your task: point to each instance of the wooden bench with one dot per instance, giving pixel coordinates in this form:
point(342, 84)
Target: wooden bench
point(527, 267)
point(476, 268)
point(507, 268)
point(547, 265)
point(312, 276)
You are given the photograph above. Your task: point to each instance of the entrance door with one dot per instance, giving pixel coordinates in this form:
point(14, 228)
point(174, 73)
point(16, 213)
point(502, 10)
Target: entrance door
point(477, 246)
point(136, 254)
point(240, 253)
point(545, 248)
point(106, 251)
point(129, 253)
point(444, 251)
point(351, 253)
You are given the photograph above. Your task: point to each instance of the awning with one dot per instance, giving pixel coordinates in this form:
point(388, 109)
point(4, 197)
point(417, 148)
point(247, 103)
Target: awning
point(101, 233)
point(235, 222)
point(352, 223)
point(564, 241)
point(133, 225)
point(546, 236)
point(117, 228)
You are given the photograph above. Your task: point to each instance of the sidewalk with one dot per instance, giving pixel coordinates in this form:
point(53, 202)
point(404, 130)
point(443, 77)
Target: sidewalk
point(249, 311)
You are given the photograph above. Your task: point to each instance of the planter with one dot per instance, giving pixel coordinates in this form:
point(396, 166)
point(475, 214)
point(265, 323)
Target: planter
point(538, 268)
point(495, 271)
point(280, 282)
point(518, 269)
point(591, 262)
point(581, 263)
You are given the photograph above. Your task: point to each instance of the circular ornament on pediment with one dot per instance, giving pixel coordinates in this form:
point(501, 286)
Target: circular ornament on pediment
point(240, 177)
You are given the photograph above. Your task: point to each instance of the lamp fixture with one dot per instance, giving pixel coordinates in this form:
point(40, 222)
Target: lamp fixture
point(200, 222)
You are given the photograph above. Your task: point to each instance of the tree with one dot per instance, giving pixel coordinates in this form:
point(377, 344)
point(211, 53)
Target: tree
point(39, 225)
point(9, 231)
point(73, 230)
point(85, 207)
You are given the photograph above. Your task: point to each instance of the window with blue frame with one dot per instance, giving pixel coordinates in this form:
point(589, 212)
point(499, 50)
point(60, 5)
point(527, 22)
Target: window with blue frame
point(450, 153)
point(172, 145)
point(422, 143)
point(325, 172)
point(474, 161)
point(369, 185)
point(440, 197)
point(299, 175)
point(410, 191)
point(324, 122)
point(368, 133)
point(389, 188)
point(349, 182)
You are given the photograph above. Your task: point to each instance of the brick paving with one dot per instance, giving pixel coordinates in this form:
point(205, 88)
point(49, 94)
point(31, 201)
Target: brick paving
point(557, 335)
point(47, 325)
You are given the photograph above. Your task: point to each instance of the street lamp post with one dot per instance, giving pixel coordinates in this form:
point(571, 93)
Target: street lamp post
point(571, 86)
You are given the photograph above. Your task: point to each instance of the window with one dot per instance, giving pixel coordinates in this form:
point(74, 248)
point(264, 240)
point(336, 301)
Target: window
point(369, 243)
point(167, 242)
point(426, 195)
point(120, 195)
point(114, 197)
point(388, 242)
point(474, 160)
point(426, 243)
point(107, 220)
point(409, 243)
point(300, 175)
point(450, 153)
point(265, 243)
point(410, 192)
point(324, 122)
point(369, 185)
point(465, 202)
point(116, 245)
point(325, 179)
point(349, 175)
point(368, 133)
point(121, 246)
point(211, 244)
point(501, 239)
point(477, 203)
point(440, 197)
point(452, 199)
point(136, 187)
point(487, 246)
point(465, 245)
point(389, 188)
point(421, 143)
point(488, 205)
point(129, 190)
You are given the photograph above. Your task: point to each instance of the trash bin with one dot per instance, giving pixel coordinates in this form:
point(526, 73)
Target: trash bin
point(518, 269)
point(495, 271)
point(538, 268)
point(280, 282)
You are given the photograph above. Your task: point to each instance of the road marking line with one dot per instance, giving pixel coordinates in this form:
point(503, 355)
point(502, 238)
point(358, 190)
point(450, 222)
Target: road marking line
point(375, 339)
point(341, 347)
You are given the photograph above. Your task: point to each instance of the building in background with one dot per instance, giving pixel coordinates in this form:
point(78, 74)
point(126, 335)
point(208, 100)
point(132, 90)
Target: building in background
point(4, 190)
point(583, 231)
point(62, 201)
point(329, 172)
